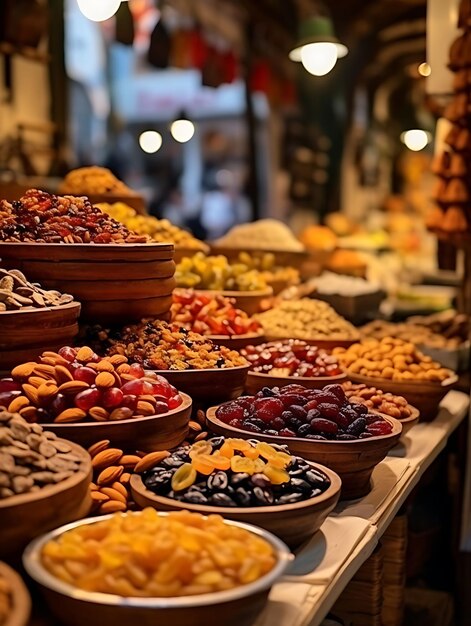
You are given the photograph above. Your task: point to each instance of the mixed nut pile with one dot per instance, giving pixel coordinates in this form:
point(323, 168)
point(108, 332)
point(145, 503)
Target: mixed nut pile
point(291, 357)
point(93, 180)
point(294, 411)
point(161, 346)
point(306, 319)
point(235, 472)
point(45, 218)
point(393, 359)
point(16, 293)
point(31, 458)
point(378, 400)
point(76, 385)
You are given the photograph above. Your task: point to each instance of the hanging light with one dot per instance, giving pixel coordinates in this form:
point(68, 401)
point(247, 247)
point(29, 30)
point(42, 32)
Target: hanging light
point(424, 69)
point(98, 10)
point(150, 141)
point(318, 48)
point(182, 129)
point(416, 139)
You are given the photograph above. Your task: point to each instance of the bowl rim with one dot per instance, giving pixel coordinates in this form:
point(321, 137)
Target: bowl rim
point(20, 598)
point(213, 370)
point(333, 489)
point(49, 491)
point(426, 384)
point(396, 432)
point(45, 309)
point(90, 246)
point(35, 569)
point(185, 405)
point(338, 378)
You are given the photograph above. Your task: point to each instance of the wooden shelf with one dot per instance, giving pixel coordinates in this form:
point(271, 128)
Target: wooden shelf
point(28, 53)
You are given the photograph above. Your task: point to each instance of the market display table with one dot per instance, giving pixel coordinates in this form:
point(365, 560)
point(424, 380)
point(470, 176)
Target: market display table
point(325, 565)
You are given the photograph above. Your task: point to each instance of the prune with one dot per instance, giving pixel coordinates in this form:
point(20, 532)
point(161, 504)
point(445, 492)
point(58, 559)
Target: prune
point(298, 484)
point(321, 425)
point(243, 497)
point(194, 497)
point(260, 480)
point(304, 430)
point(357, 426)
point(298, 411)
point(315, 478)
point(291, 498)
point(263, 497)
point(239, 479)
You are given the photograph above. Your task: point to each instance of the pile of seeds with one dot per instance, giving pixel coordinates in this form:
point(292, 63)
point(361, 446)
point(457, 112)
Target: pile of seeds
point(16, 293)
point(31, 458)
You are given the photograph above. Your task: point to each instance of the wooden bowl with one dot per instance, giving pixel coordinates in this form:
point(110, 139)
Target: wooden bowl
point(134, 200)
point(257, 381)
point(75, 607)
point(116, 284)
point(284, 258)
point(25, 516)
point(325, 344)
point(207, 385)
point(292, 523)
point(156, 432)
point(410, 421)
point(248, 301)
point(25, 334)
point(353, 461)
point(238, 342)
point(20, 599)
point(424, 395)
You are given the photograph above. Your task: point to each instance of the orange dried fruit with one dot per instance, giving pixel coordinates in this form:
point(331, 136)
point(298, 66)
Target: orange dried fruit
point(200, 447)
point(220, 462)
point(203, 464)
point(276, 475)
point(242, 464)
point(226, 450)
point(239, 444)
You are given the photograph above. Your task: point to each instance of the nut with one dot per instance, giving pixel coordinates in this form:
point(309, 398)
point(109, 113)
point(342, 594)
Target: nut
point(151, 460)
point(145, 408)
point(107, 457)
point(121, 488)
point(114, 494)
point(104, 379)
point(31, 392)
point(130, 461)
point(73, 386)
point(122, 413)
point(84, 354)
point(62, 374)
point(99, 414)
point(24, 370)
point(18, 403)
point(47, 391)
point(118, 359)
point(69, 416)
point(112, 506)
point(98, 496)
point(110, 475)
point(104, 366)
point(97, 447)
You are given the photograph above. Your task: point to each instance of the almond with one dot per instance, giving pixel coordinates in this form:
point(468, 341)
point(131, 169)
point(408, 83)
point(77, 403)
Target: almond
point(112, 506)
point(114, 494)
point(99, 414)
point(104, 366)
point(84, 354)
point(59, 360)
point(148, 398)
point(145, 408)
point(201, 436)
point(31, 392)
point(104, 379)
point(125, 478)
point(24, 370)
point(98, 496)
point(48, 361)
point(195, 427)
point(130, 461)
point(46, 392)
point(37, 381)
point(124, 368)
point(70, 416)
point(93, 487)
point(106, 457)
point(42, 369)
point(73, 386)
point(110, 475)
point(151, 460)
point(121, 488)
point(62, 374)
point(118, 359)
point(122, 413)
point(28, 413)
point(20, 402)
point(97, 447)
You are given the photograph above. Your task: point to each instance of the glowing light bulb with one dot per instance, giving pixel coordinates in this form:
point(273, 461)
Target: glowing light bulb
point(415, 139)
point(424, 69)
point(98, 10)
point(150, 141)
point(182, 130)
point(319, 58)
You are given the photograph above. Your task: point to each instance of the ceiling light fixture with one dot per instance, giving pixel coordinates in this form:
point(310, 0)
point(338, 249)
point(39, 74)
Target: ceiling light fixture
point(150, 141)
point(318, 49)
point(182, 129)
point(416, 139)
